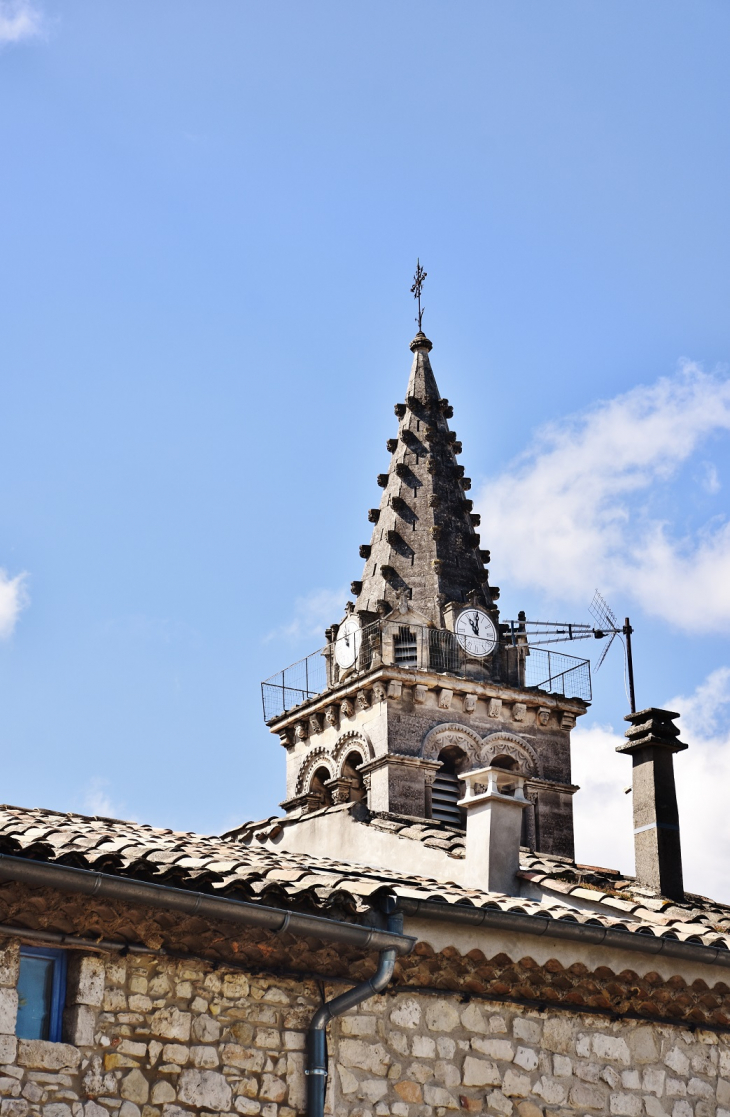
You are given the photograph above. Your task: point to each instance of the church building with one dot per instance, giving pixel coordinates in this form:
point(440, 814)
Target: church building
point(412, 936)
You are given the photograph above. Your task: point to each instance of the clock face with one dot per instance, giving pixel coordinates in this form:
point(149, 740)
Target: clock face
point(347, 644)
point(476, 633)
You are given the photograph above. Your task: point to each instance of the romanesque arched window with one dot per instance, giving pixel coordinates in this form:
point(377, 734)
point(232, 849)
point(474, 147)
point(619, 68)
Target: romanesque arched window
point(350, 771)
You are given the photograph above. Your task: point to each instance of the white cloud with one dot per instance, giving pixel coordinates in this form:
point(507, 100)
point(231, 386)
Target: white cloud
point(575, 511)
point(13, 598)
point(312, 614)
point(603, 813)
point(97, 800)
point(19, 19)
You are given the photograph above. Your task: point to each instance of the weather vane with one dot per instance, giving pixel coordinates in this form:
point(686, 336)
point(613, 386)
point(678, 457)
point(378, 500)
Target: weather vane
point(418, 279)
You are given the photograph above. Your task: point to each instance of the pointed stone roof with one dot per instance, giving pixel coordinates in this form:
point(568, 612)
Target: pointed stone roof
point(424, 544)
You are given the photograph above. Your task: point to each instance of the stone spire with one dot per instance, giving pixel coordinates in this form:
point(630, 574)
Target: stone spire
point(424, 546)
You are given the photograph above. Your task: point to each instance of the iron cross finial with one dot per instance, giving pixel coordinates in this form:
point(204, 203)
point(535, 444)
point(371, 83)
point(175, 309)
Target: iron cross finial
point(418, 279)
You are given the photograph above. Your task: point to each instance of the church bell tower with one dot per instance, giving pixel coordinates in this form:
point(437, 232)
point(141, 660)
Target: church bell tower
point(419, 682)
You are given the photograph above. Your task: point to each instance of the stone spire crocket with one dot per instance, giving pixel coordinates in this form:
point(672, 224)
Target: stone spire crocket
point(424, 546)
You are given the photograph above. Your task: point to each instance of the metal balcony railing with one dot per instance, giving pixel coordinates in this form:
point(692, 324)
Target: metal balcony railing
point(418, 648)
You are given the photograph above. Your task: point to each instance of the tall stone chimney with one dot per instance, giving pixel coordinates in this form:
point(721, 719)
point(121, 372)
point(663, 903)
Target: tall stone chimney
point(494, 802)
point(653, 740)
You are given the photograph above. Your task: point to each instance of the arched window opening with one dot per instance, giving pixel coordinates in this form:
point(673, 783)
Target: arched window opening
point(447, 789)
point(405, 647)
point(317, 788)
point(353, 760)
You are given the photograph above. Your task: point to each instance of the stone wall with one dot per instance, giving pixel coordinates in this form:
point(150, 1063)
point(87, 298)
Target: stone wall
point(151, 1037)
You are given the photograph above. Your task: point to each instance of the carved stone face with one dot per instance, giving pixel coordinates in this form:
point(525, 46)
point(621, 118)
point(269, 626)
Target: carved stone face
point(379, 692)
point(331, 717)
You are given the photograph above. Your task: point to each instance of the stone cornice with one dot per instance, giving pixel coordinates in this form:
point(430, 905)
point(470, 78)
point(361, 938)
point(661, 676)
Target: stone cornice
point(537, 699)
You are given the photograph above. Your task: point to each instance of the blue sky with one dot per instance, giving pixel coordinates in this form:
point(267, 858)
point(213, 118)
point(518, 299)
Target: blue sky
point(211, 214)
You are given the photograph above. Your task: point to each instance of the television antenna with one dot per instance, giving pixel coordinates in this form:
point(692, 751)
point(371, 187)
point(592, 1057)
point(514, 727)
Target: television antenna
point(535, 633)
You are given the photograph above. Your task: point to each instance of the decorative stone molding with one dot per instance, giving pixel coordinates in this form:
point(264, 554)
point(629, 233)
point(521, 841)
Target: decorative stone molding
point(470, 703)
point(419, 694)
point(445, 697)
point(353, 741)
point(332, 716)
point(315, 723)
point(346, 708)
point(508, 744)
point(452, 733)
point(302, 803)
point(567, 721)
point(395, 688)
point(379, 692)
point(543, 715)
point(518, 711)
point(319, 757)
point(363, 700)
point(495, 707)
point(340, 788)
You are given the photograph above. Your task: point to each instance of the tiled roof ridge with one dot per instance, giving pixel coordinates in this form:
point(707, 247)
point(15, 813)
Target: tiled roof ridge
point(212, 864)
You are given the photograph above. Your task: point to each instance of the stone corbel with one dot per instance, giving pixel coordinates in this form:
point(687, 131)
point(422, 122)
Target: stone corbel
point(518, 711)
point(445, 697)
point(567, 721)
point(419, 694)
point(543, 715)
point(379, 692)
point(332, 717)
point(395, 688)
point(301, 731)
point(363, 700)
point(340, 788)
point(495, 707)
point(346, 708)
point(470, 703)
point(302, 803)
point(315, 723)
point(286, 737)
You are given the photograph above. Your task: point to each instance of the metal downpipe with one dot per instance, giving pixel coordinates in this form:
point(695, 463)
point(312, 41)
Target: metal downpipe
point(316, 1071)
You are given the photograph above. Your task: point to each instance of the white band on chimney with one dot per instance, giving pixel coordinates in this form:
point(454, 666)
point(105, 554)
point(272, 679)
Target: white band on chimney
point(656, 826)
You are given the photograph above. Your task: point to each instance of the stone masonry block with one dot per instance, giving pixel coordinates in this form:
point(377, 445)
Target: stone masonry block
point(8, 1010)
point(205, 1089)
point(480, 1072)
point(171, 1023)
point(10, 964)
point(86, 980)
point(80, 1025)
point(42, 1055)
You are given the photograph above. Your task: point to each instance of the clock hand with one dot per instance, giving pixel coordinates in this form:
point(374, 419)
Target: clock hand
point(474, 622)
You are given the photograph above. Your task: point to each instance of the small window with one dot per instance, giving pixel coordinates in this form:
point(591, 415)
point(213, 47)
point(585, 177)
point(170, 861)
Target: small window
point(41, 993)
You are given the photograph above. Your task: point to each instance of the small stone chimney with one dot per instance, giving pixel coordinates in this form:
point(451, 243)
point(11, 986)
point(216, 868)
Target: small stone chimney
point(653, 741)
point(494, 802)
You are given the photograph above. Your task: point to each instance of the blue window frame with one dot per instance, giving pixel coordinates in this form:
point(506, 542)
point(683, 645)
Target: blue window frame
point(41, 993)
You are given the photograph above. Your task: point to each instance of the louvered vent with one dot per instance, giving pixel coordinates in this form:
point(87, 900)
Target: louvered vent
point(405, 648)
point(444, 797)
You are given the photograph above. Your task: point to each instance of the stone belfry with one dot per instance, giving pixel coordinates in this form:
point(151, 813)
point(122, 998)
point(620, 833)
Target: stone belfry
point(419, 683)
